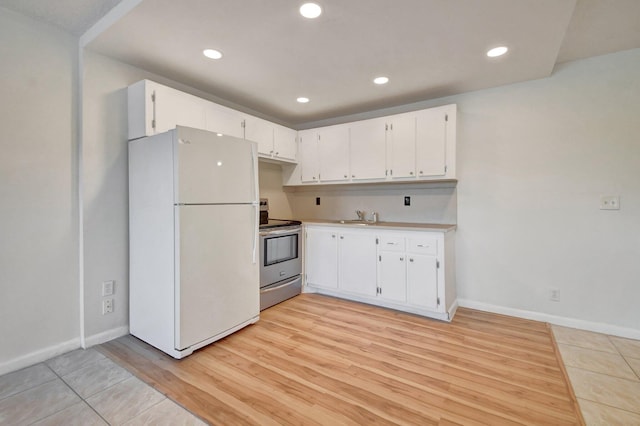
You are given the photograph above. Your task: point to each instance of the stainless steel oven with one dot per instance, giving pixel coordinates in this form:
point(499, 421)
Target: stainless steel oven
point(280, 261)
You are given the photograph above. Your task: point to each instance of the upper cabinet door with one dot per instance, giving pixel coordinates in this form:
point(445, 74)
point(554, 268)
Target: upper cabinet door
point(260, 131)
point(431, 142)
point(308, 150)
point(333, 152)
point(368, 149)
point(174, 108)
point(221, 119)
point(401, 136)
point(285, 142)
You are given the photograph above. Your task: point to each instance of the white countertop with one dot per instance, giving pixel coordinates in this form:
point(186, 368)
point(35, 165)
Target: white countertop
point(439, 227)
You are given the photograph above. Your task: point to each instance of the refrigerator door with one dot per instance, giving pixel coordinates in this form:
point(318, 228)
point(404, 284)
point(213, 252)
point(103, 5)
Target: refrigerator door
point(217, 280)
point(214, 169)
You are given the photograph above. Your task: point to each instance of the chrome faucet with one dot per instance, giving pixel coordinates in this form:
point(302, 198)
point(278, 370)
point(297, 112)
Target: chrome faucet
point(361, 214)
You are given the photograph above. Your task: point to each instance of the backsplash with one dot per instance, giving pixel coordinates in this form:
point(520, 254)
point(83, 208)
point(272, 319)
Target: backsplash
point(428, 204)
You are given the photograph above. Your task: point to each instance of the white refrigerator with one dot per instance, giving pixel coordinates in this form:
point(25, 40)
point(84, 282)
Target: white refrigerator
point(193, 229)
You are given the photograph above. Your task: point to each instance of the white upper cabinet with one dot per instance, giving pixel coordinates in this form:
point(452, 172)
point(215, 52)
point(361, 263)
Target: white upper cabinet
point(221, 119)
point(333, 152)
point(432, 140)
point(409, 147)
point(285, 143)
point(274, 141)
point(259, 131)
point(154, 108)
point(368, 149)
point(401, 142)
point(308, 150)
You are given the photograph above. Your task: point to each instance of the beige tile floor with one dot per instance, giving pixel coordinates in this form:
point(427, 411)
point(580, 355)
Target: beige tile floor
point(84, 387)
point(605, 374)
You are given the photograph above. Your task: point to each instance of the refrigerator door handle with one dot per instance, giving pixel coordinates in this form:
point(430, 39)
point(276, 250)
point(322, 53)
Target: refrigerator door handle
point(256, 209)
point(254, 172)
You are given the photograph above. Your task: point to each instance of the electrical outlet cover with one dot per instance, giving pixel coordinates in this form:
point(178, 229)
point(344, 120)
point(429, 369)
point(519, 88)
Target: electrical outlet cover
point(610, 202)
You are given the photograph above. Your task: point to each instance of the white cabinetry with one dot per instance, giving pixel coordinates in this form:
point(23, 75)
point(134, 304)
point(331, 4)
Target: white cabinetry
point(154, 108)
point(308, 150)
point(357, 262)
point(285, 143)
point(406, 270)
point(368, 149)
point(274, 141)
point(221, 119)
point(322, 267)
point(333, 153)
point(410, 147)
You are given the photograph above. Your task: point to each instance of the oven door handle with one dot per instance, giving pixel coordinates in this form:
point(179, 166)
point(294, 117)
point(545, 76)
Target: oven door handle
point(267, 290)
point(281, 231)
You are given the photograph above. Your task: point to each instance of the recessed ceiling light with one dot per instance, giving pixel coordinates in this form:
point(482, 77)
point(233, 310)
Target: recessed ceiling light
point(381, 80)
point(302, 100)
point(212, 53)
point(497, 51)
point(310, 10)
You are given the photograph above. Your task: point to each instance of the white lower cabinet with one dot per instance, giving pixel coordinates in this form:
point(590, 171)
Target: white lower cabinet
point(321, 268)
point(357, 262)
point(412, 271)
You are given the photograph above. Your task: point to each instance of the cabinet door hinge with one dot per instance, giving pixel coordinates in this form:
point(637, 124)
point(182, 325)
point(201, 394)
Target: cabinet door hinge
point(153, 97)
point(153, 124)
point(391, 172)
point(386, 127)
point(377, 241)
point(438, 300)
point(379, 258)
point(153, 100)
point(243, 124)
point(437, 264)
point(378, 290)
point(445, 169)
point(446, 117)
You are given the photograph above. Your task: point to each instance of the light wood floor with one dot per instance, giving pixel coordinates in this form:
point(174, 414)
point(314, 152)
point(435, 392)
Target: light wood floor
point(325, 361)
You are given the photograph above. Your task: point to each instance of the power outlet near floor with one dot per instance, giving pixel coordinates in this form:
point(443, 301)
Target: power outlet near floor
point(554, 294)
point(107, 306)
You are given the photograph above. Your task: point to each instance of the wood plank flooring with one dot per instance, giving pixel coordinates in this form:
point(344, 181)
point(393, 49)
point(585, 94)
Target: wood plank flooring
point(316, 360)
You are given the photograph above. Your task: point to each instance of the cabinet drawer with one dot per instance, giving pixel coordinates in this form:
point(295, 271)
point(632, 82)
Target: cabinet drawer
point(423, 246)
point(392, 243)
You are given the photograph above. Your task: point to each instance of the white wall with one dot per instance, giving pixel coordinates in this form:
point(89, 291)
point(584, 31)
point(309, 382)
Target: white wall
point(38, 222)
point(533, 160)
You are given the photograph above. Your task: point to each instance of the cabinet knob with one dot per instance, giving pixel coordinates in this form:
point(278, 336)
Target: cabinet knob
point(345, 176)
point(277, 153)
point(410, 260)
point(314, 178)
point(333, 236)
point(420, 172)
point(353, 176)
point(401, 259)
point(411, 173)
point(342, 237)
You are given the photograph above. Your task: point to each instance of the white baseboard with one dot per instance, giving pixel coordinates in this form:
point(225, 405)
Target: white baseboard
point(597, 327)
point(105, 336)
point(38, 356)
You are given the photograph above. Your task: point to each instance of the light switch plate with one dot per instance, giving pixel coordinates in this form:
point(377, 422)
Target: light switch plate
point(609, 202)
point(107, 288)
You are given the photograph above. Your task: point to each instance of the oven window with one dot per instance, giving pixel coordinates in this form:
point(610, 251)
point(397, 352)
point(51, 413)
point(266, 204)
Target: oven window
point(280, 249)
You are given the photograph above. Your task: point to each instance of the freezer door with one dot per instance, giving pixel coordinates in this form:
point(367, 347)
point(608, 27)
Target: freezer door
point(217, 281)
point(214, 169)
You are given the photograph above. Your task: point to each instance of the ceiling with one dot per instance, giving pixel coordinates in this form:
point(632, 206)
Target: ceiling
point(427, 48)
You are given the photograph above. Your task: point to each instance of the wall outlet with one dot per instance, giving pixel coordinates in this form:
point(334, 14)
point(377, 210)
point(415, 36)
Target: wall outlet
point(107, 306)
point(554, 294)
point(317, 201)
point(610, 202)
point(107, 288)
point(407, 200)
